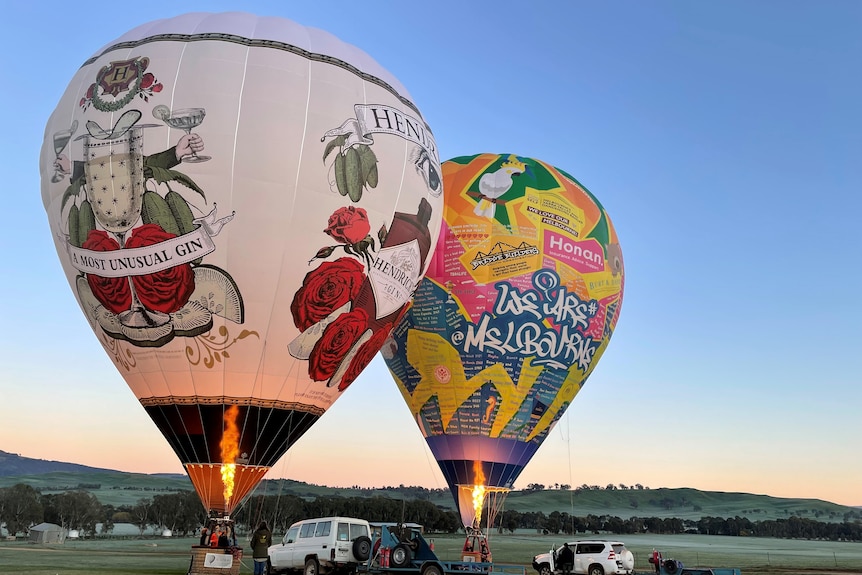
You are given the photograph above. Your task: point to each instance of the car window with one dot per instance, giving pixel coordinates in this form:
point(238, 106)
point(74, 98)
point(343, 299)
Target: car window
point(323, 529)
point(290, 537)
point(344, 532)
point(619, 548)
point(307, 530)
point(358, 530)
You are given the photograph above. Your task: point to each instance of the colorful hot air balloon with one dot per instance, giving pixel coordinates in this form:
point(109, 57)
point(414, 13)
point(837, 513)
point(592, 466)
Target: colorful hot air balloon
point(243, 207)
point(519, 303)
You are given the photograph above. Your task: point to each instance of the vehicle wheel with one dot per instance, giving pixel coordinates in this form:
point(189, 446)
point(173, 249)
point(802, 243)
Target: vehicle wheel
point(545, 569)
point(401, 556)
point(362, 548)
point(670, 566)
point(596, 570)
point(432, 570)
point(312, 566)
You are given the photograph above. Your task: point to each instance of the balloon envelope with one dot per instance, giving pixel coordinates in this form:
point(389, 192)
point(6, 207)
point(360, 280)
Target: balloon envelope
point(519, 303)
point(243, 207)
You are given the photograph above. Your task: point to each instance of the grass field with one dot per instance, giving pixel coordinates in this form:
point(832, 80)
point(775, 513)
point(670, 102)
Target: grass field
point(171, 556)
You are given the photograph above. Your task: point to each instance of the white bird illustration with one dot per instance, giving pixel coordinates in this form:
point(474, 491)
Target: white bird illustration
point(495, 184)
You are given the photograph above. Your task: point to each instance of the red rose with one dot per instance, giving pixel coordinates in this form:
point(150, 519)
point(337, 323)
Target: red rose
point(325, 289)
point(336, 341)
point(90, 91)
point(113, 293)
point(165, 291)
point(363, 357)
point(147, 80)
point(348, 225)
point(157, 87)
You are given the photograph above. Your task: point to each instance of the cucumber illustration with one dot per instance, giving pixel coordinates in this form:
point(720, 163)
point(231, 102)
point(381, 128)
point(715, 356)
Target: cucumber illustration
point(74, 237)
point(181, 212)
point(86, 221)
point(155, 210)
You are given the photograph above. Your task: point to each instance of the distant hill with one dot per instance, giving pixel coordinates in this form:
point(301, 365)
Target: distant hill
point(14, 464)
point(120, 488)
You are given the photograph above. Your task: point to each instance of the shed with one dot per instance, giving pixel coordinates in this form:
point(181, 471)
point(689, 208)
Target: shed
point(47, 533)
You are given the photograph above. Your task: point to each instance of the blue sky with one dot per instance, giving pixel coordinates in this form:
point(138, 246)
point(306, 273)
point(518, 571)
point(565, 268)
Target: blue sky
point(723, 138)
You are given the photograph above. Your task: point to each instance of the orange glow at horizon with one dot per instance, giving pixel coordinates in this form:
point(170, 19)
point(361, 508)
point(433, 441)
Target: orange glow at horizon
point(478, 492)
point(229, 446)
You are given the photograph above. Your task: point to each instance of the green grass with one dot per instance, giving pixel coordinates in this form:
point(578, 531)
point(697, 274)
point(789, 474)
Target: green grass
point(171, 556)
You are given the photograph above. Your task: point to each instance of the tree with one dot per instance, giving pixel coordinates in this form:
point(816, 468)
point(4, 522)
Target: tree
point(74, 510)
point(20, 508)
point(141, 513)
point(180, 512)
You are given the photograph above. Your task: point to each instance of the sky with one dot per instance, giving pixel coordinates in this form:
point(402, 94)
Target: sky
point(723, 138)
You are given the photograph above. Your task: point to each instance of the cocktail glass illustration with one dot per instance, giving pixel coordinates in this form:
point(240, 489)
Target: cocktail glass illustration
point(185, 119)
point(114, 173)
point(61, 140)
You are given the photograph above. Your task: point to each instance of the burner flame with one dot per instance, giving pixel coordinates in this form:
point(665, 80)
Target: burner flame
point(229, 446)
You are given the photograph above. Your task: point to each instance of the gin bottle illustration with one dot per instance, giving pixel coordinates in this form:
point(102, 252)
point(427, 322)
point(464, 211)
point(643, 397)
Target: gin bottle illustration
point(397, 267)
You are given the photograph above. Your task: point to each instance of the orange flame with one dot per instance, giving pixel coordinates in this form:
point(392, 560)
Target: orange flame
point(229, 446)
point(478, 492)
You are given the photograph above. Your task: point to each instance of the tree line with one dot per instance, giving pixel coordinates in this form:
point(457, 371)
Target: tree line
point(790, 528)
point(22, 506)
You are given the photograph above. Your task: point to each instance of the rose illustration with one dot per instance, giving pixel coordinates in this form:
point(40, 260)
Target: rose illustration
point(337, 339)
point(348, 225)
point(113, 293)
point(325, 289)
point(165, 291)
point(364, 356)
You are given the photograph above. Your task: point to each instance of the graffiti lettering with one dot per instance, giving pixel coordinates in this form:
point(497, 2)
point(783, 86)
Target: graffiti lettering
point(519, 325)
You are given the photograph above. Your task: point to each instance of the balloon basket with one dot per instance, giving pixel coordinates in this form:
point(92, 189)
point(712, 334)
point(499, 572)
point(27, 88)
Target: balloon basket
point(215, 560)
point(476, 548)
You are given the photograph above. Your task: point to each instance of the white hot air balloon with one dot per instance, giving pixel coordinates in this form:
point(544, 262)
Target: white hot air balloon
point(243, 208)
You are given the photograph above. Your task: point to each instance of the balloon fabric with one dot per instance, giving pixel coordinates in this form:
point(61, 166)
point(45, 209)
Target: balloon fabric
point(519, 303)
point(243, 207)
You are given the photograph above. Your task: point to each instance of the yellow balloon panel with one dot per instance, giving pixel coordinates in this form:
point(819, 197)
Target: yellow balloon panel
point(243, 208)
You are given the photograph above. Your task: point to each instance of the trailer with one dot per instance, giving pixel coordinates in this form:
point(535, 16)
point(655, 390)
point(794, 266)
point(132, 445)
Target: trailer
point(403, 550)
point(674, 567)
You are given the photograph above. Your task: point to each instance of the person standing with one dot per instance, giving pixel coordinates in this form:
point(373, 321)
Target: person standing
point(656, 561)
point(566, 559)
point(261, 539)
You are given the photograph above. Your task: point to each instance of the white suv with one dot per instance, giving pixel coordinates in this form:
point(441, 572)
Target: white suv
point(322, 546)
point(592, 557)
